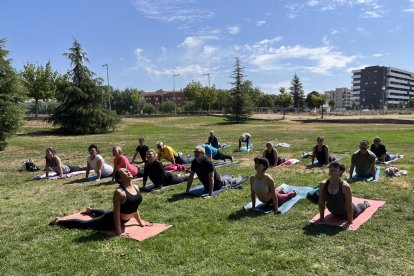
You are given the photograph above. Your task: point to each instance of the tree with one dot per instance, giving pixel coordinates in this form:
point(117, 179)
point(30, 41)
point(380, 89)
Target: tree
point(39, 82)
point(149, 109)
point(266, 100)
point(319, 101)
point(240, 106)
point(201, 95)
point(81, 111)
point(296, 90)
point(309, 101)
point(167, 107)
point(331, 103)
point(283, 100)
point(11, 98)
point(254, 93)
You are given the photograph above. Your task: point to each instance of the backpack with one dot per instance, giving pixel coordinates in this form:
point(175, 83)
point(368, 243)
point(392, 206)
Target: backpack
point(29, 166)
point(313, 195)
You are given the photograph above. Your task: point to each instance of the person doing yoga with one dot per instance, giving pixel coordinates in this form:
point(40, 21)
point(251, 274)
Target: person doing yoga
point(121, 161)
point(380, 151)
point(262, 185)
point(205, 171)
point(363, 161)
point(245, 137)
point(155, 171)
point(54, 163)
point(321, 152)
point(336, 195)
point(126, 200)
point(169, 154)
point(96, 162)
point(216, 154)
point(212, 140)
point(270, 153)
point(142, 150)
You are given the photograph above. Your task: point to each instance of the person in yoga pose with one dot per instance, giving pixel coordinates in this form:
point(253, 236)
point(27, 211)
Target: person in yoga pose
point(205, 171)
point(380, 151)
point(54, 163)
point(155, 171)
point(126, 200)
point(262, 185)
point(245, 137)
point(213, 153)
point(121, 161)
point(169, 154)
point(363, 161)
point(142, 150)
point(270, 153)
point(321, 152)
point(336, 195)
point(96, 162)
point(212, 140)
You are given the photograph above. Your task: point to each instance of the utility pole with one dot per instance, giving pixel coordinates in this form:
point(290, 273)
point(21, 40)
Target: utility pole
point(107, 78)
point(175, 99)
point(208, 75)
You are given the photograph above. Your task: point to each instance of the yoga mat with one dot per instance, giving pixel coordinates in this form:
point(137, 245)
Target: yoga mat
point(288, 162)
point(199, 191)
point(264, 208)
point(361, 219)
point(369, 179)
point(132, 229)
point(393, 160)
point(223, 146)
point(316, 163)
point(243, 148)
point(283, 145)
point(223, 164)
point(53, 175)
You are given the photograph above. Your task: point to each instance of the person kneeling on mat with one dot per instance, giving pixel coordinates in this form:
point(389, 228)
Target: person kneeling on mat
point(205, 171)
point(336, 195)
point(270, 153)
point(321, 152)
point(213, 153)
point(155, 171)
point(363, 161)
point(262, 185)
point(126, 200)
point(245, 137)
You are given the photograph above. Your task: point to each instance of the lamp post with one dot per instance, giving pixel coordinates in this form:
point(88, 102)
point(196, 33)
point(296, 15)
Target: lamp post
point(175, 99)
point(383, 98)
point(107, 78)
point(208, 75)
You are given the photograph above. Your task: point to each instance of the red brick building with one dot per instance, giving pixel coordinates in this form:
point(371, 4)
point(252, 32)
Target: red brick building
point(158, 97)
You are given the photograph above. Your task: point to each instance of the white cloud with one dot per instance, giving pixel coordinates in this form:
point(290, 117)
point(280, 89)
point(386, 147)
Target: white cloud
point(363, 31)
point(410, 8)
point(260, 23)
point(378, 55)
point(233, 29)
point(269, 41)
point(171, 10)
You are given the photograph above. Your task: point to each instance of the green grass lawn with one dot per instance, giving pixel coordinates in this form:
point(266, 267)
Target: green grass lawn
point(212, 236)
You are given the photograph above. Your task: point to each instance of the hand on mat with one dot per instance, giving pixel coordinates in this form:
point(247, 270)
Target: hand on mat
point(146, 224)
point(250, 209)
point(206, 197)
point(348, 227)
point(277, 212)
point(125, 235)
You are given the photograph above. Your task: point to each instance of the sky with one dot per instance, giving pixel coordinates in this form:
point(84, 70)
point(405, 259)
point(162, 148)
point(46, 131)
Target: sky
point(146, 42)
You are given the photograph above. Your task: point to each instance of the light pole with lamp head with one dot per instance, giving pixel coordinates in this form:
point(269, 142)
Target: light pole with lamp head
point(208, 75)
point(175, 99)
point(107, 78)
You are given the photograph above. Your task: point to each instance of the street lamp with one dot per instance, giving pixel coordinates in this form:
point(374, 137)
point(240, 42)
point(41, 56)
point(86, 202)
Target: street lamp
point(208, 75)
point(383, 98)
point(175, 99)
point(107, 78)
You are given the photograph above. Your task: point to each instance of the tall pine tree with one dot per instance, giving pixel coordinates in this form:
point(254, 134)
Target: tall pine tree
point(240, 106)
point(11, 97)
point(296, 90)
point(81, 111)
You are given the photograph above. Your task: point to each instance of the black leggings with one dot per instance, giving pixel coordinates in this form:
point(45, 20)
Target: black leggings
point(356, 210)
point(103, 220)
point(172, 179)
point(221, 156)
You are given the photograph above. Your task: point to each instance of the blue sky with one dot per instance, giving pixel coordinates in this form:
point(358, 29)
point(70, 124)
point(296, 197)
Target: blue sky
point(145, 42)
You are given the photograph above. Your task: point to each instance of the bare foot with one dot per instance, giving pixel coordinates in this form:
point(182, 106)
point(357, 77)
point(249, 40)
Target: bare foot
point(54, 222)
point(366, 204)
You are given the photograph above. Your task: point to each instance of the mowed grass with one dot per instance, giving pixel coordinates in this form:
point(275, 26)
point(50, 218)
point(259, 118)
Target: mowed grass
point(212, 236)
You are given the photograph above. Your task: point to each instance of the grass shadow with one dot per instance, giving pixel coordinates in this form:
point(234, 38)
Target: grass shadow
point(312, 229)
point(180, 196)
point(93, 237)
point(241, 213)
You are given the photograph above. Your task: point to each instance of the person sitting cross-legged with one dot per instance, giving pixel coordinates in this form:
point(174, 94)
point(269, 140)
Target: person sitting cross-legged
point(363, 161)
point(336, 195)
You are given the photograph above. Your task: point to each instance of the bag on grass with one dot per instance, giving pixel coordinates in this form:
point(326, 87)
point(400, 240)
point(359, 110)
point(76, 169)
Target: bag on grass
point(29, 166)
point(313, 195)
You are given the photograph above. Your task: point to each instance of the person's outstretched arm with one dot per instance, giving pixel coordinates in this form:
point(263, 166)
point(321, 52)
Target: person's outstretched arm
point(137, 216)
point(117, 200)
point(210, 183)
point(321, 203)
point(275, 155)
point(133, 157)
point(88, 168)
point(100, 167)
point(348, 203)
point(313, 154)
point(59, 166)
point(272, 189)
point(252, 194)
point(351, 169)
point(327, 155)
point(373, 170)
point(189, 181)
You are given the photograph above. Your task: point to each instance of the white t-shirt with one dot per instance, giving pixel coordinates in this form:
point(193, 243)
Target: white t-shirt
point(107, 170)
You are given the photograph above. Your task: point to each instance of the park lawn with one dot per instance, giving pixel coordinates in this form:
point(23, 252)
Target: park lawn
point(214, 236)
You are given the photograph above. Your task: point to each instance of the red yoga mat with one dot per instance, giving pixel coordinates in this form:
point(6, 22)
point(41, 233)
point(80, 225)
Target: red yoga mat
point(361, 219)
point(132, 229)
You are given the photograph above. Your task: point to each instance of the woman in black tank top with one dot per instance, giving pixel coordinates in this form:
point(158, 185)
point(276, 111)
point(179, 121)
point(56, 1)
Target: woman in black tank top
point(126, 200)
point(271, 155)
point(336, 195)
point(320, 152)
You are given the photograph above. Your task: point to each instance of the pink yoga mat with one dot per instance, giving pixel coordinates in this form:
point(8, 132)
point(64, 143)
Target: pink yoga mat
point(361, 219)
point(132, 229)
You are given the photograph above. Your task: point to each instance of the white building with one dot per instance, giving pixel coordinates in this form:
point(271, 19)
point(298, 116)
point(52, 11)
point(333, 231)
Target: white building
point(342, 97)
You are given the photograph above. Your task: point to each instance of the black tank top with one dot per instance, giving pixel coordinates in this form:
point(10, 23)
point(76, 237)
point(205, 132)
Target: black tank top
point(321, 155)
point(132, 202)
point(335, 203)
point(270, 157)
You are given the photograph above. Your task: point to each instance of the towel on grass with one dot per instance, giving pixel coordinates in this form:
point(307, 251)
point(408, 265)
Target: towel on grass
point(53, 175)
point(355, 177)
point(361, 219)
point(283, 145)
point(301, 192)
point(132, 229)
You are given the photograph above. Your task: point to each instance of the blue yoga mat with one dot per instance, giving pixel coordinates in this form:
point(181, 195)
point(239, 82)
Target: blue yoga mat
point(264, 208)
point(243, 148)
point(368, 178)
point(199, 191)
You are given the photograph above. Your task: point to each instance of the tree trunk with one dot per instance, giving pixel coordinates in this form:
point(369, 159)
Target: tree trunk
point(321, 112)
point(283, 111)
point(36, 108)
